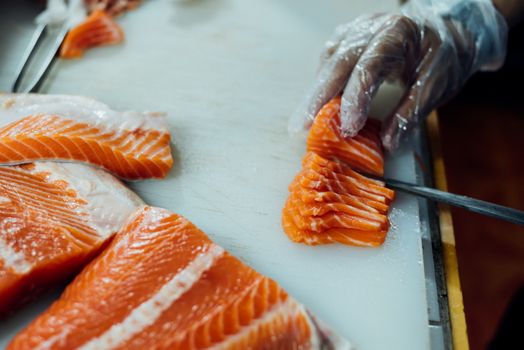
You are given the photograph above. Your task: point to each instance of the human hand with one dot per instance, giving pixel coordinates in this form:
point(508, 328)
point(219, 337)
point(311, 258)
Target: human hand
point(432, 49)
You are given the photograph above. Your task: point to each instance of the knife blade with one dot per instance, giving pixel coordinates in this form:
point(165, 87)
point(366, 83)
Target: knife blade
point(472, 204)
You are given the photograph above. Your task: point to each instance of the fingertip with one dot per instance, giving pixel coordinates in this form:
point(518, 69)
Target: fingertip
point(300, 120)
point(351, 119)
point(392, 133)
point(389, 143)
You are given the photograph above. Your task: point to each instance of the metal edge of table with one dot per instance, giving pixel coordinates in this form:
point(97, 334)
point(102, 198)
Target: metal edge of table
point(445, 243)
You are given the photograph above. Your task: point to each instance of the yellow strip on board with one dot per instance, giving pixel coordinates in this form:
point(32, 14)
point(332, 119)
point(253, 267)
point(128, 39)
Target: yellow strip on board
point(456, 305)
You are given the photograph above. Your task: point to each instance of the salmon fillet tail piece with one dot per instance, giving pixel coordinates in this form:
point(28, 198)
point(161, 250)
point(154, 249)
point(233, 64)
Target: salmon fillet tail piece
point(131, 145)
point(54, 218)
point(329, 200)
point(162, 284)
point(98, 29)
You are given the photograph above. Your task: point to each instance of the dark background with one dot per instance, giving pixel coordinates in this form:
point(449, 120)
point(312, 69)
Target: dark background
point(482, 135)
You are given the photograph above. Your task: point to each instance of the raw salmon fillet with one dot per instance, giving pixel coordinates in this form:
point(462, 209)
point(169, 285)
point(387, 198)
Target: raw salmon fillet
point(162, 284)
point(54, 217)
point(131, 145)
point(97, 29)
point(329, 201)
point(363, 152)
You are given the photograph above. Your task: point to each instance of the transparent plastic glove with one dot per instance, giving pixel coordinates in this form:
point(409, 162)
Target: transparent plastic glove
point(58, 12)
point(433, 47)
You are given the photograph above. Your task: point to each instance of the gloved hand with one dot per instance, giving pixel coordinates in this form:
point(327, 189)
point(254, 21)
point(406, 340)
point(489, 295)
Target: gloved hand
point(433, 47)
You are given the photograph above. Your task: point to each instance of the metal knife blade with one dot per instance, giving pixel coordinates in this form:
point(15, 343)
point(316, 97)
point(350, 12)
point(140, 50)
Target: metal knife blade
point(475, 205)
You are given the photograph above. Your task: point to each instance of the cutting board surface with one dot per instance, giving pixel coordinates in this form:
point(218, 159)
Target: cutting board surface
point(229, 73)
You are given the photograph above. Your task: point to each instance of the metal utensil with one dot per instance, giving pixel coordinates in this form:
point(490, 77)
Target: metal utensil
point(42, 30)
point(468, 203)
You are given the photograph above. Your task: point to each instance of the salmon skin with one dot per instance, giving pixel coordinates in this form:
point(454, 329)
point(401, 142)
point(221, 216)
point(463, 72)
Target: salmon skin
point(330, 202)
point(54, 218)
point(98, 29)
point(162, 284)
point(131, 145)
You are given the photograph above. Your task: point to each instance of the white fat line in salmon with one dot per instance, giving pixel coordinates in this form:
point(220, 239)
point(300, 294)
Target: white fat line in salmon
point(12, 259)
point(288, 309)
point(99, 189)
point(148, 312)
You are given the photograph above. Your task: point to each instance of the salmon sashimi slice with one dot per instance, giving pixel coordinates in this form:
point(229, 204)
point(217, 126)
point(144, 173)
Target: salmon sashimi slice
point(314, 198)
point(363, 152)
point(339, 171)
point(320, 209)
point(331, 219)
point(311, 179)
point(331, 235)
point(131, 145)
point(97, 29)
point(162, 284)
point(54, 218)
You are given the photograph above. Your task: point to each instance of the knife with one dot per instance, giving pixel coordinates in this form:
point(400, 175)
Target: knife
point(475, 205)
point(56, 34)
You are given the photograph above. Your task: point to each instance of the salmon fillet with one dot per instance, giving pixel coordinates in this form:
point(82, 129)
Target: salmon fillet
point(54, 217)
point(162, 284)
point(362, 152)
point(328, 200)
point(131, 145)
point(98, 29)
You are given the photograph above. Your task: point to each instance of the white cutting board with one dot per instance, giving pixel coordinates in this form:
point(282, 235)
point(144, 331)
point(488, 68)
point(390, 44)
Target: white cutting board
point(229, 73)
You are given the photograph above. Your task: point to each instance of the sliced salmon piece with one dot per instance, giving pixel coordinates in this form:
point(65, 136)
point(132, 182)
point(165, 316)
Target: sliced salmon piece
point(314, 180)
point(339, 171)
point(331, 219)
point(331, 235)
point(98, 29)
point(162, 284)
point(54, 217)
point(363, 152)
point(316, 209)
point(131, 145)
point(315, 197)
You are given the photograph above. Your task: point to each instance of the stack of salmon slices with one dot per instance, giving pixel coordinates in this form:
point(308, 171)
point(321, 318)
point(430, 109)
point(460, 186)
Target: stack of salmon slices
point(330, 201)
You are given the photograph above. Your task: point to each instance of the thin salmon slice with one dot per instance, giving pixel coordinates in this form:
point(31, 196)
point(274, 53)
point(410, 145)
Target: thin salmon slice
point(363, 152)
point(332, 235)
point(315, 209)
point(321, 221)
point(339, 171)
point(131, 145)
point(162, 284)
point(54, 218)
point(98, 29)
point(315, 197)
